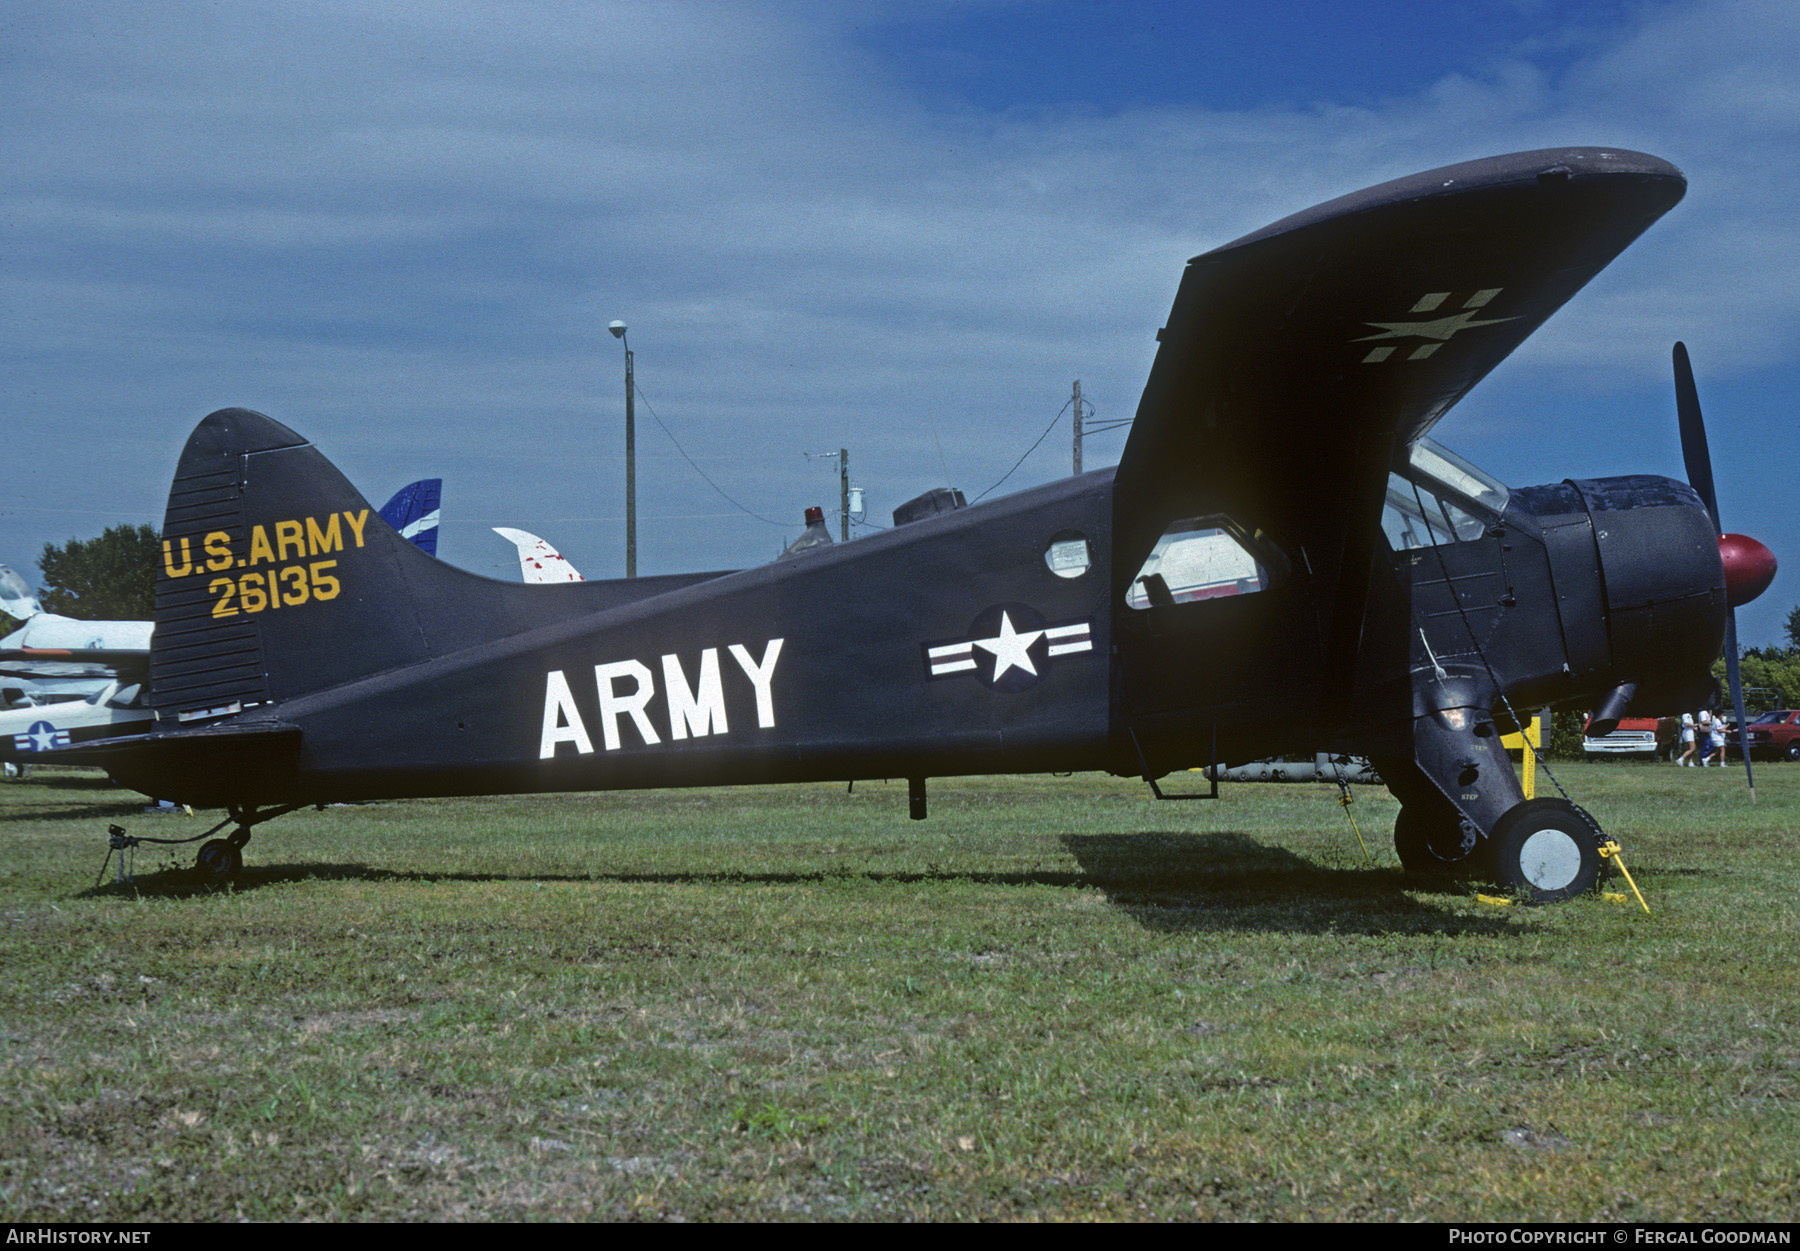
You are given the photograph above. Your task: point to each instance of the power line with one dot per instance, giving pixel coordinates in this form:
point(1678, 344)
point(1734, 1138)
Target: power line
point(1106, 425)
point(696, 468)
point(1029, 450)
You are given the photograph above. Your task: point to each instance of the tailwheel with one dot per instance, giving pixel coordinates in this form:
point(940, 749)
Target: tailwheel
point(1546, 850)
point(221, 860)
point(1434, 842)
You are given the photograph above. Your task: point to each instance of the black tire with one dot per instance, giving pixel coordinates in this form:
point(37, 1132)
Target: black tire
point(1793, 750)
point(1434, 842)
point(219, 862)
point(1545, 850)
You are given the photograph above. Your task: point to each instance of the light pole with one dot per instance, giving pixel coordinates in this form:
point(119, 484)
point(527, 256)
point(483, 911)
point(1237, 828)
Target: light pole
point(618, 332)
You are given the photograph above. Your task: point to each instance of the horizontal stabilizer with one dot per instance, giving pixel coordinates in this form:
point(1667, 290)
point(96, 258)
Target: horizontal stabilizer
point(210, 768)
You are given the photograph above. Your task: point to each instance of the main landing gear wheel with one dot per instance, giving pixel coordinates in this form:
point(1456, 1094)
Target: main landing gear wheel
point(1434, 842)
point(1546, 850)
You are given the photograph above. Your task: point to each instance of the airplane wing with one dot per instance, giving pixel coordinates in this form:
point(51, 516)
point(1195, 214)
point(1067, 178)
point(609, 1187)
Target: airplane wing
point(538, 561)
point(1297, 359)
point(52, 655)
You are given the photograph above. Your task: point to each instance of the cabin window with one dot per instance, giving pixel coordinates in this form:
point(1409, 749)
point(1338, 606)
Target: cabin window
point(1068, 555)
point(1197, 558)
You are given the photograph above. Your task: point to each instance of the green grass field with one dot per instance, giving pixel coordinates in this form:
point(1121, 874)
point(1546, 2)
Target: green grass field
point(1054, 999)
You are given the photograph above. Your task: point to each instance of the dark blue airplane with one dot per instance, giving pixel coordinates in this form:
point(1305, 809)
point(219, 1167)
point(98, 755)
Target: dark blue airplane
point(1281, 561)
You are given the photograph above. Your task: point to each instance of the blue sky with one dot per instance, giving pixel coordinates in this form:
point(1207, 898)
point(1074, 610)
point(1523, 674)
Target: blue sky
point(896, 228)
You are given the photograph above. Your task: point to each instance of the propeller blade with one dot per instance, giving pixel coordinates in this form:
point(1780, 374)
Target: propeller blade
point(1698, 459)
point(1694, 453)
point(1737, 697)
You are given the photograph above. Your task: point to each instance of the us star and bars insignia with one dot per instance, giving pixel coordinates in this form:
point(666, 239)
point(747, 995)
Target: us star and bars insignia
point(1437, 330)
point(42, 736)
point(1008, 647)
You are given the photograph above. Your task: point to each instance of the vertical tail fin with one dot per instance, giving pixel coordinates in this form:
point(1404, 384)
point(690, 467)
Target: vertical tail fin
point(277, 577)
point(414, 513)
point(538, 561)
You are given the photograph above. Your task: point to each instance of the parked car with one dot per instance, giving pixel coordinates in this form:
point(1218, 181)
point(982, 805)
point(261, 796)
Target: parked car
point(1636, 736)
point(1774, 734)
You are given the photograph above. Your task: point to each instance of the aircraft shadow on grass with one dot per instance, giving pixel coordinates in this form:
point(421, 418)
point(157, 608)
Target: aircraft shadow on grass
point(1231, 881)
point(1175, 882)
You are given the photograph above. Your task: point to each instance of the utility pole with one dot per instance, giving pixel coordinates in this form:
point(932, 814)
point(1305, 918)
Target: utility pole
point(1077, 425)
point(630, 473)
point(844, 489)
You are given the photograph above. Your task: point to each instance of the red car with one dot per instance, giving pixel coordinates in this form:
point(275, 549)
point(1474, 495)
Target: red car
point(1775, 734)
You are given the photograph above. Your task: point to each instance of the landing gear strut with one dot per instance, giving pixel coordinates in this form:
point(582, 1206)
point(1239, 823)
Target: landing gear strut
point(1463, 813)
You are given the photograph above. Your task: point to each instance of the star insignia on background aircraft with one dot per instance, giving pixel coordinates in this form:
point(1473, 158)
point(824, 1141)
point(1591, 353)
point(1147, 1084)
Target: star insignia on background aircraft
point(1003, 655)
point(1439, 330)
point(42, 736)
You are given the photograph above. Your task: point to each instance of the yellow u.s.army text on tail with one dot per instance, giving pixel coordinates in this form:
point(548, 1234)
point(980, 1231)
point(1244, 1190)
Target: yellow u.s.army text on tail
point(289, 585)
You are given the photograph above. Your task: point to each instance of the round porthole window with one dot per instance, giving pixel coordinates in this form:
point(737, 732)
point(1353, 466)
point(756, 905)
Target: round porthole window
point(1068, 555)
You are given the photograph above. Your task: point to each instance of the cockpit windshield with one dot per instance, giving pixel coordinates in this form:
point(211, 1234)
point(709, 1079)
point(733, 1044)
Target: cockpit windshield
point(1441, 465)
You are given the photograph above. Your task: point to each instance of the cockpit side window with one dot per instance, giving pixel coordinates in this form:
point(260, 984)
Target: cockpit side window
point(1438, 499)
point(1202, 558)
point(1416, 516)
point(128, 697)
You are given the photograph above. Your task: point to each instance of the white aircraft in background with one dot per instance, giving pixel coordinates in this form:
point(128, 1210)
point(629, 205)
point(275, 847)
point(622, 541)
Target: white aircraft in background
point(51, 657)
point(538, 561)
point(116, 708)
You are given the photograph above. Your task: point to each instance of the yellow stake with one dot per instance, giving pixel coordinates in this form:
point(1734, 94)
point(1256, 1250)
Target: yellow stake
point(1611, 849)
point(1526, 744)
point(1345, 799)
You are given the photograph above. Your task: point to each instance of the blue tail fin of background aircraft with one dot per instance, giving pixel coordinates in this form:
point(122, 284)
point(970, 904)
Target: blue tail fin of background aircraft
point(414, 513)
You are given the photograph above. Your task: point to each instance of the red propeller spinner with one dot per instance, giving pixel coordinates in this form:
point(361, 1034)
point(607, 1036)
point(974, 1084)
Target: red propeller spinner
point(1749, 568)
